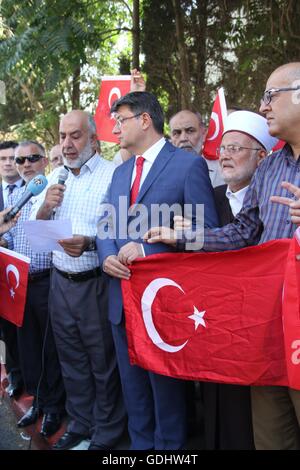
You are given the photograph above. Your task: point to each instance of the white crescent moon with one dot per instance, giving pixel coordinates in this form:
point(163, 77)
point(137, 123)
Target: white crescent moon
point(147, 301)
point(215, 117)
point(10, 268)
point(113, 91)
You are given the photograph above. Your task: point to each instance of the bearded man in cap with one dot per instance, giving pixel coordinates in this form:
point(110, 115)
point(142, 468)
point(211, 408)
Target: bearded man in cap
point(245, 143)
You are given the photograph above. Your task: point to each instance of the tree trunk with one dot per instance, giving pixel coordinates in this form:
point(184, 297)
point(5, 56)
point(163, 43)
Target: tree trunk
point(76, 88)
point(185, 96)
point(136, 35)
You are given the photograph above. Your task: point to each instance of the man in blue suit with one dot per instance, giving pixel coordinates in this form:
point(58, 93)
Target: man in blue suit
point(157, 174)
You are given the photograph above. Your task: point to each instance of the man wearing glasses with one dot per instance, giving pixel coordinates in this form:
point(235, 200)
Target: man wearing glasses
point(275, 410)
point(38, 356)
point(157, 174)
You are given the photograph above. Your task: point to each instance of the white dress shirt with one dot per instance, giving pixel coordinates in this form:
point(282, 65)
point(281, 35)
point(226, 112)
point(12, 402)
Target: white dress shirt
point(81, 204)
point(149, 156)
point(236, 199)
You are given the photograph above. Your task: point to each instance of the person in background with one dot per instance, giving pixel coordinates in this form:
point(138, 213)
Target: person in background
point(10, 182)
point(188, 132)
point(39, 362)
point(55, 157)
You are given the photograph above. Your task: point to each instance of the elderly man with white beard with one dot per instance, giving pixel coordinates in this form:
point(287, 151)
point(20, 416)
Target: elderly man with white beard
point(78, 292)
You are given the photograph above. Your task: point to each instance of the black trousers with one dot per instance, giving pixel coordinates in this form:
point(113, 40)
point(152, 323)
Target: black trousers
point(10, 337)
point(38, 356)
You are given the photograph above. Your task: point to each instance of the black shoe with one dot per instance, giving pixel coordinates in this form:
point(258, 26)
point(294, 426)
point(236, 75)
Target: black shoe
point(68, 440)
point(29, 418)
point(93, 446)
point(50, 424)
point(14, 391)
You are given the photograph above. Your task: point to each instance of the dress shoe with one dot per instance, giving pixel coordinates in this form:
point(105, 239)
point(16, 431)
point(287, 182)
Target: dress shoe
point(68, 440)
point(30, 417)
point(50, 424)
point(14, 391)
point(94, 446)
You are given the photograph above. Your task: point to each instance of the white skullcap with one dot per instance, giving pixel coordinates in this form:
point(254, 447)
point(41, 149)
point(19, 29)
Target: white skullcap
point(252, 124)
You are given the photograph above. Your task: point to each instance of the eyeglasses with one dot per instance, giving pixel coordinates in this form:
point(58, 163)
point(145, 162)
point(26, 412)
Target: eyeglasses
point(10, 159)
point(232, 149)
point(268, 94)
point(31, 158)
point(120, 119)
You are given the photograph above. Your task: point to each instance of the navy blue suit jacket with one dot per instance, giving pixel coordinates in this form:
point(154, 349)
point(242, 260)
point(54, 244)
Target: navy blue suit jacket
point(176, 177)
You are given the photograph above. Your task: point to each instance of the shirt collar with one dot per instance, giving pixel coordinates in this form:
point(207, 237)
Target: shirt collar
point(238, 195)
point(151, 153)
point(18, 183)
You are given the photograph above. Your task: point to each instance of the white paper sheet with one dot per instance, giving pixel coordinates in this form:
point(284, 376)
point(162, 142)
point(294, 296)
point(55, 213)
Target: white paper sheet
point(43, 235)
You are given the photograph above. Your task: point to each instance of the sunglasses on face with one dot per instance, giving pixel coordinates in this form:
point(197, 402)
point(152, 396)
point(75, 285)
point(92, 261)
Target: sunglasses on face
point(31, 158)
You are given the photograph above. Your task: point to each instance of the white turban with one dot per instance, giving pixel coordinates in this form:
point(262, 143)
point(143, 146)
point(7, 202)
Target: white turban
point(252, 124)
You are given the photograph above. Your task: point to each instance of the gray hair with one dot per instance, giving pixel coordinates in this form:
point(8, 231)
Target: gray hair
point(25, 143)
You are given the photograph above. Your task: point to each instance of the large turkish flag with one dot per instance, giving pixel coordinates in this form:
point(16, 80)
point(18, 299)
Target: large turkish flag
point(215, 127)
point(112, 88)
point(210, 316)
point(13, 285)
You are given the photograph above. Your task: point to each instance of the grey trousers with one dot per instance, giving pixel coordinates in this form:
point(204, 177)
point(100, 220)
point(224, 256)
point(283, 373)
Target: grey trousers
point(79, 313)
point(276, 418)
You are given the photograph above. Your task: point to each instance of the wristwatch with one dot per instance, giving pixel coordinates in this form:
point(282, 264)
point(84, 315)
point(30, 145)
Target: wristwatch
point(92, 244)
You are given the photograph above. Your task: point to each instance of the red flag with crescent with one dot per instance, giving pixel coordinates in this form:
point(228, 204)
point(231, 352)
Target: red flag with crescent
point(213, 316)
point(112, 88)
point(13, 285)
point(215, 127)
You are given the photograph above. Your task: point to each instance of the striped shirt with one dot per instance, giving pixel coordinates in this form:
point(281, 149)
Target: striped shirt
point(260, 220)
point(81, 204)
point(17, 239)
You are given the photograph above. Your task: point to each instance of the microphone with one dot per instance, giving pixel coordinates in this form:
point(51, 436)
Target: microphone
point(34, 187)
point(63, 175)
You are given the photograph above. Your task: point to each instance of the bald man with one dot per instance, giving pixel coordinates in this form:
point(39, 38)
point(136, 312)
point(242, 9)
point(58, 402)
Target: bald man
point(188, 132)
point(78, 294)
point(275, 410)
point(55, 157)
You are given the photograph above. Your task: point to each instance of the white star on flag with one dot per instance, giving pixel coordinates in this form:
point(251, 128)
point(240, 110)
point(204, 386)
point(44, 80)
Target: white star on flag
point(12, 292)
point(197, 317)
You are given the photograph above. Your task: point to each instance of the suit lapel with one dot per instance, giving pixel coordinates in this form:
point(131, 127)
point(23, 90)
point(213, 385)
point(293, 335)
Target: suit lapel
point(160, 162)
point(1, 198)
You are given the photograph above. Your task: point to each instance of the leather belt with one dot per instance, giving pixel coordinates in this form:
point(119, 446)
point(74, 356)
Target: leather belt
point(80, 277)
point(32, 277)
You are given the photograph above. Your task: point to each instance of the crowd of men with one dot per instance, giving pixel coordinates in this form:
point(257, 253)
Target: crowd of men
point(71, 353)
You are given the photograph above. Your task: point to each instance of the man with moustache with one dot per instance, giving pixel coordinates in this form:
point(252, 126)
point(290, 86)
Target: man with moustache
point(188, 132)
point(78, 295)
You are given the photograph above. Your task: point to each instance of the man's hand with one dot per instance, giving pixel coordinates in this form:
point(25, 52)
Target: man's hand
point(76, 245)
point(137, 82)
point(161, 234)
point(6, 226)
point(54, 197)
point(294, 204)
point(129, 252)
point(115, 268)
point(180, 223)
